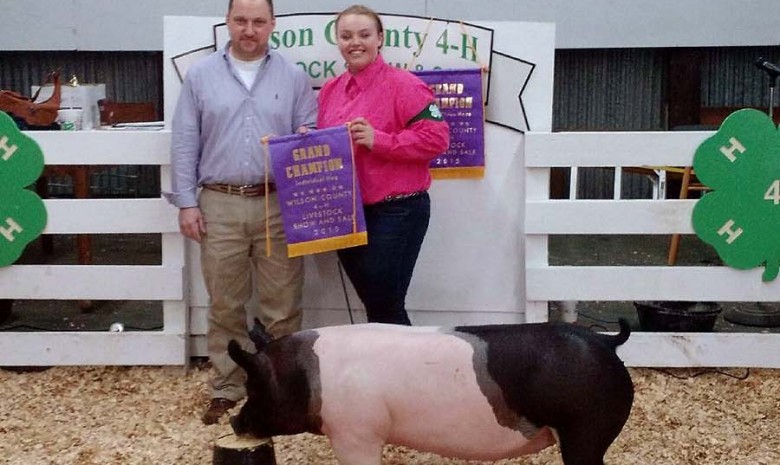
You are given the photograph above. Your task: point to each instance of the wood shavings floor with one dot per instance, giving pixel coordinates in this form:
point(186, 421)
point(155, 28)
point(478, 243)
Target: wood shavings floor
point(150, 415)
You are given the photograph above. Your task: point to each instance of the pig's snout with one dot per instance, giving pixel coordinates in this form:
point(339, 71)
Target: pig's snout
point(235, 423)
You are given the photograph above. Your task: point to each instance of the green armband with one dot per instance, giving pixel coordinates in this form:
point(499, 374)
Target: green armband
point(429, 112)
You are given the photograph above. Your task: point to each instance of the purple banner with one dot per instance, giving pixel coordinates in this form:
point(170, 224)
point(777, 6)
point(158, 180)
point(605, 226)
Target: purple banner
point(458, 94)
point(318, 192)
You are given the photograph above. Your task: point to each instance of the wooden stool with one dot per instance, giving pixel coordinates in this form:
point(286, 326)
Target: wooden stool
point(234, 450)
point(685, 187)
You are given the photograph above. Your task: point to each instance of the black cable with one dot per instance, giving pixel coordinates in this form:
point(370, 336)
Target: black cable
point(599, 320)
point(597, 327)
point(346, 295)
point(705, 371)
point(53, 330)
point(142, 328)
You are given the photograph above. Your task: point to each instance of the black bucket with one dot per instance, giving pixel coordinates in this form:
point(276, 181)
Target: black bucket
point(675, 316)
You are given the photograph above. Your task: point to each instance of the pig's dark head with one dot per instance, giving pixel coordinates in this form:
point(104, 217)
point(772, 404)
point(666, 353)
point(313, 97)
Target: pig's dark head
point(283, 391)
point(254, 415)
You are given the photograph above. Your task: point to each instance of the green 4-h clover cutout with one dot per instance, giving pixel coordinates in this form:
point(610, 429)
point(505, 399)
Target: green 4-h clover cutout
point(22, 212)
point(741, 216)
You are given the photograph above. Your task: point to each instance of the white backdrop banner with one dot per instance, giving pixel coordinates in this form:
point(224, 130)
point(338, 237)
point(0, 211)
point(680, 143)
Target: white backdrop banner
point(410, 42)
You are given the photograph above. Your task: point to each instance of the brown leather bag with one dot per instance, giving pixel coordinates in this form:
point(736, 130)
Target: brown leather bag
point(35, 114)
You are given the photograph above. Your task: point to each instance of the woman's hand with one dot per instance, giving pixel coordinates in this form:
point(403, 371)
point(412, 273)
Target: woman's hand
point(362, 132)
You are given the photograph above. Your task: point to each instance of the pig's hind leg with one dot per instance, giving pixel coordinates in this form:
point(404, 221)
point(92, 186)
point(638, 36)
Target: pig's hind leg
point(354, 451)
point(585, 436)
point(585, 444)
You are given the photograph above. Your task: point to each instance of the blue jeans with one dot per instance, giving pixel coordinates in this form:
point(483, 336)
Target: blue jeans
point(382, 270)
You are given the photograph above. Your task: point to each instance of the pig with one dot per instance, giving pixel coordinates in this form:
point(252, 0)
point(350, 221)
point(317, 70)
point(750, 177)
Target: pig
point(470, 392)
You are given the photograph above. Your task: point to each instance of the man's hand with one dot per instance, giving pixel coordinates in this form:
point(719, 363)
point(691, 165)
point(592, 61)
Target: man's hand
point(362, 132)
point(191, 223)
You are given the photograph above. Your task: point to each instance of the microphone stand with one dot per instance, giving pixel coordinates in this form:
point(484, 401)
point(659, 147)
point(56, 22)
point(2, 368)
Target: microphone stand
point(773, 71)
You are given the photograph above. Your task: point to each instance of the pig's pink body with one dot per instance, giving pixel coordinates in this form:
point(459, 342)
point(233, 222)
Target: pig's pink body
point(471, 392)
point(413, 387)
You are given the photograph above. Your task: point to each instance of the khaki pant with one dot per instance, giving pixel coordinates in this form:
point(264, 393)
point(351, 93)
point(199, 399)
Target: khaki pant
point(234, 262)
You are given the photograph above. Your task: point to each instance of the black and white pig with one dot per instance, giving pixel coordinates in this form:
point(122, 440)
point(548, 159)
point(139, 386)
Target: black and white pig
point(470, 392)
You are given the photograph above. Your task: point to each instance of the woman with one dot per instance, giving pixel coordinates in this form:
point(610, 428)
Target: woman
point(396, 130)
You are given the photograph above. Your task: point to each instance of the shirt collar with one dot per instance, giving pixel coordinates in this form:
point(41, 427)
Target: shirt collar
point(366, 77)
point(226, 53)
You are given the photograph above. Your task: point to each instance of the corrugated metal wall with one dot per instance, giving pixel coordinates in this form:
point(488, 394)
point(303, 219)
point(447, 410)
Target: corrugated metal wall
point(609, 90)
point(730, 77)
point(128, 76)
point(624, 90)
point(594, 90)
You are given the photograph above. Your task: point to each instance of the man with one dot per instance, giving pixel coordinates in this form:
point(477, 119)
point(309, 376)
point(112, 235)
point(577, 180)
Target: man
point(228, 102)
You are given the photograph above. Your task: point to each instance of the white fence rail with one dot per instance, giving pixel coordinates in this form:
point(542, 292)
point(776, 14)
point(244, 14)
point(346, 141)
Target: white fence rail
point(544, 217)
point(168, 282)
point(164, 282)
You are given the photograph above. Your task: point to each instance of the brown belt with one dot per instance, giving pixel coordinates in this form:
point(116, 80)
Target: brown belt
point(253, 190)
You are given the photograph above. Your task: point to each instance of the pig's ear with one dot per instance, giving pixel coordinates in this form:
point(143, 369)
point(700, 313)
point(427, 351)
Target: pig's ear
point(259, 335)
point(239, 355)
point(256, 366)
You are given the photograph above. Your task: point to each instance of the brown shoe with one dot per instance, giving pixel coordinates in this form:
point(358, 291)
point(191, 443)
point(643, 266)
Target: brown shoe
point(217, 407)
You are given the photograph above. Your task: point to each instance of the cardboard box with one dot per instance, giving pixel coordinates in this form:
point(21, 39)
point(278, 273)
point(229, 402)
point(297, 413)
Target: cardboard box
point(84, 96)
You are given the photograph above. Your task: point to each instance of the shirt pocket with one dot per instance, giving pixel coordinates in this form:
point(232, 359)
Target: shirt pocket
point(277, 108)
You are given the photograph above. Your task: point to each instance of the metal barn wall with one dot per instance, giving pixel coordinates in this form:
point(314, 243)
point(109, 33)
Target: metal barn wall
point(624, 90)
point(128, 76)
point(730, 77)
point(609, 90)
point(594, 90)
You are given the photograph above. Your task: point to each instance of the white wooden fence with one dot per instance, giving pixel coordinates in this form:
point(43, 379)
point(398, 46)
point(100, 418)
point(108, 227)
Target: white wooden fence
point(169, 283)
point(544, 217)
point(162, 282)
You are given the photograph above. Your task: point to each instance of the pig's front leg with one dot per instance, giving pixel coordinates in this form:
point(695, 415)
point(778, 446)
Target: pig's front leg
point(351, 450)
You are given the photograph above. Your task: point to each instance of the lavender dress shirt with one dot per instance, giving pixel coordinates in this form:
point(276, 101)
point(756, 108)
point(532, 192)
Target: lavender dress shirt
point(219, 123)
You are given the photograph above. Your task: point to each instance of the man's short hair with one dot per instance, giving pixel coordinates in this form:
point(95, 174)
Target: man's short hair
point(269, 2)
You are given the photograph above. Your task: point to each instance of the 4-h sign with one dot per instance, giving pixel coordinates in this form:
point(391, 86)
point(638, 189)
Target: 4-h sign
point(741, 217)
point(22, 212)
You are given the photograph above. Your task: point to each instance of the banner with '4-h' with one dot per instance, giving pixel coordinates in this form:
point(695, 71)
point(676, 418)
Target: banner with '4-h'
point(22, 212)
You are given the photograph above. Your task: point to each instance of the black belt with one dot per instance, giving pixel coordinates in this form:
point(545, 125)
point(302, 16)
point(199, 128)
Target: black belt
point(252, 190)
point(397, 197)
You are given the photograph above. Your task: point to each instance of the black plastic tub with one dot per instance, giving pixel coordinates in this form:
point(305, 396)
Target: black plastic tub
point(675, 316)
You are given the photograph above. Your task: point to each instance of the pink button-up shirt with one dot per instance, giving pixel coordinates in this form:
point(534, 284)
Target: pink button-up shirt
point(389, 98)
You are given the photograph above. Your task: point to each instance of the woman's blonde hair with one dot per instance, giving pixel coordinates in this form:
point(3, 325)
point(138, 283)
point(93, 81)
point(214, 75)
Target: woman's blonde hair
point(361, 10)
